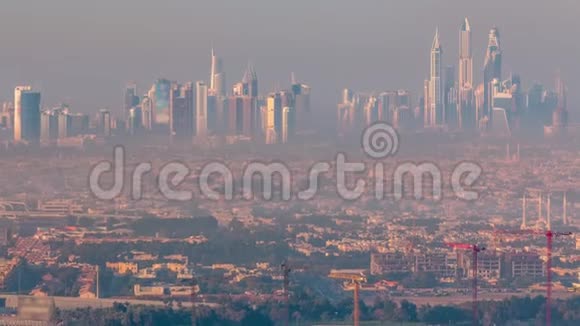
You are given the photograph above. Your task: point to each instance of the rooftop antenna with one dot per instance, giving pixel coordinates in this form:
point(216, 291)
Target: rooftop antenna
point(293, 78)
point(549, 213)
point(524, 226)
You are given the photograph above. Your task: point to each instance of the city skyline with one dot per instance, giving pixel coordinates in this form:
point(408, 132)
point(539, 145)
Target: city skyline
point(449, 101)
point(305, 162)
point(304, 57)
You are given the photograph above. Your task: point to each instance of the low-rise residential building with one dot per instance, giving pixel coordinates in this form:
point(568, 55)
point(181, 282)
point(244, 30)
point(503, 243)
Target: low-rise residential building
point(123, 268)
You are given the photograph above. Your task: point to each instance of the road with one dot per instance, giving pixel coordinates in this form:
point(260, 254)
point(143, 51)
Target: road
point(456, 299)
point(73, 302)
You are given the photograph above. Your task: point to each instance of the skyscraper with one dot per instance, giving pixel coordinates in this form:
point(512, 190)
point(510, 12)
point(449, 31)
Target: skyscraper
point(105, 122)
point(271, 136)
point(560, 114)
point(79, 124)
point(288, 124)
point(450, 97)
point(131, 98)
point(250, 82)
point(181, 110)
point(18, 111)
point(27, 114)
point(134, 121)
point(465, 105)
point(428, 114)
point(201, 109)
point(491, 71)
point(160, 95)
point(64, 124)
point(465, 56)
point(217, 84)
point(7, 115)
point(45, 117)
point(435, 87)
point(345, 117)
point(49, 126)
point(147, 111)
point(301, 93)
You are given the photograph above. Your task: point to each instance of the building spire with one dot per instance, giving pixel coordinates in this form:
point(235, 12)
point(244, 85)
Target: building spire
point(250, 73)
point(436, 43)
point(466, 27)
point(524, 222)
point(213, 69)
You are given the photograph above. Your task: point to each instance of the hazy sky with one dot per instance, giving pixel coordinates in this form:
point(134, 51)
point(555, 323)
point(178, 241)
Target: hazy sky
point(83, 52)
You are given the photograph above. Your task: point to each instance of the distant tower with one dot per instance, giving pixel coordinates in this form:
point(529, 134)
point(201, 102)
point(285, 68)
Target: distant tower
point(465, 56)
point(435, 87)
point(524, 225)
point(560, 114)
point(18, 111)
point(45, 124)
point(131, 98)
point(65, 124)
point(159, 94)
point(147, 112)
point(465, 105)
point(285, 124)
point(450, 97)
point(491, 70)
point(301, 94)
point(135, 120)
point(201, 109)
point(105, 122)
point(549, 213)
point(217, 85)
point(271, 136)
point(564, 210)
point(250, 82)
point(429, 115)
point(181, 110)
point(213, 70)
point(288, 123)
point(26, 114)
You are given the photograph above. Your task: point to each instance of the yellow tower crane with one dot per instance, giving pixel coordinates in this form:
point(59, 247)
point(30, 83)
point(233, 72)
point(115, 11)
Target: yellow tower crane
point(356, 277)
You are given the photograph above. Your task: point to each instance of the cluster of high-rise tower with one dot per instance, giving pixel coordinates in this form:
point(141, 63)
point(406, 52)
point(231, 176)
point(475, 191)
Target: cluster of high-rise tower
point(189, 112)
point(451, 100)
point(200, 110)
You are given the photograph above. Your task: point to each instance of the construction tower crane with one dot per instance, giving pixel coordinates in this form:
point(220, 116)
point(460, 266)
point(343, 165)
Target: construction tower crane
point(193, 299)
point(475, 250)
point(356, 277)
point(549, 234)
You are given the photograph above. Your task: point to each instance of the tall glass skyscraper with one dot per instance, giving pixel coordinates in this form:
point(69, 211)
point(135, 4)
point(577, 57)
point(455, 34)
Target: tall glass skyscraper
point(27, 115)
point(465, 106)
point(436, 111)
point(161, 91)
point(491, 71)
point(217, 85)
point(201, 109)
